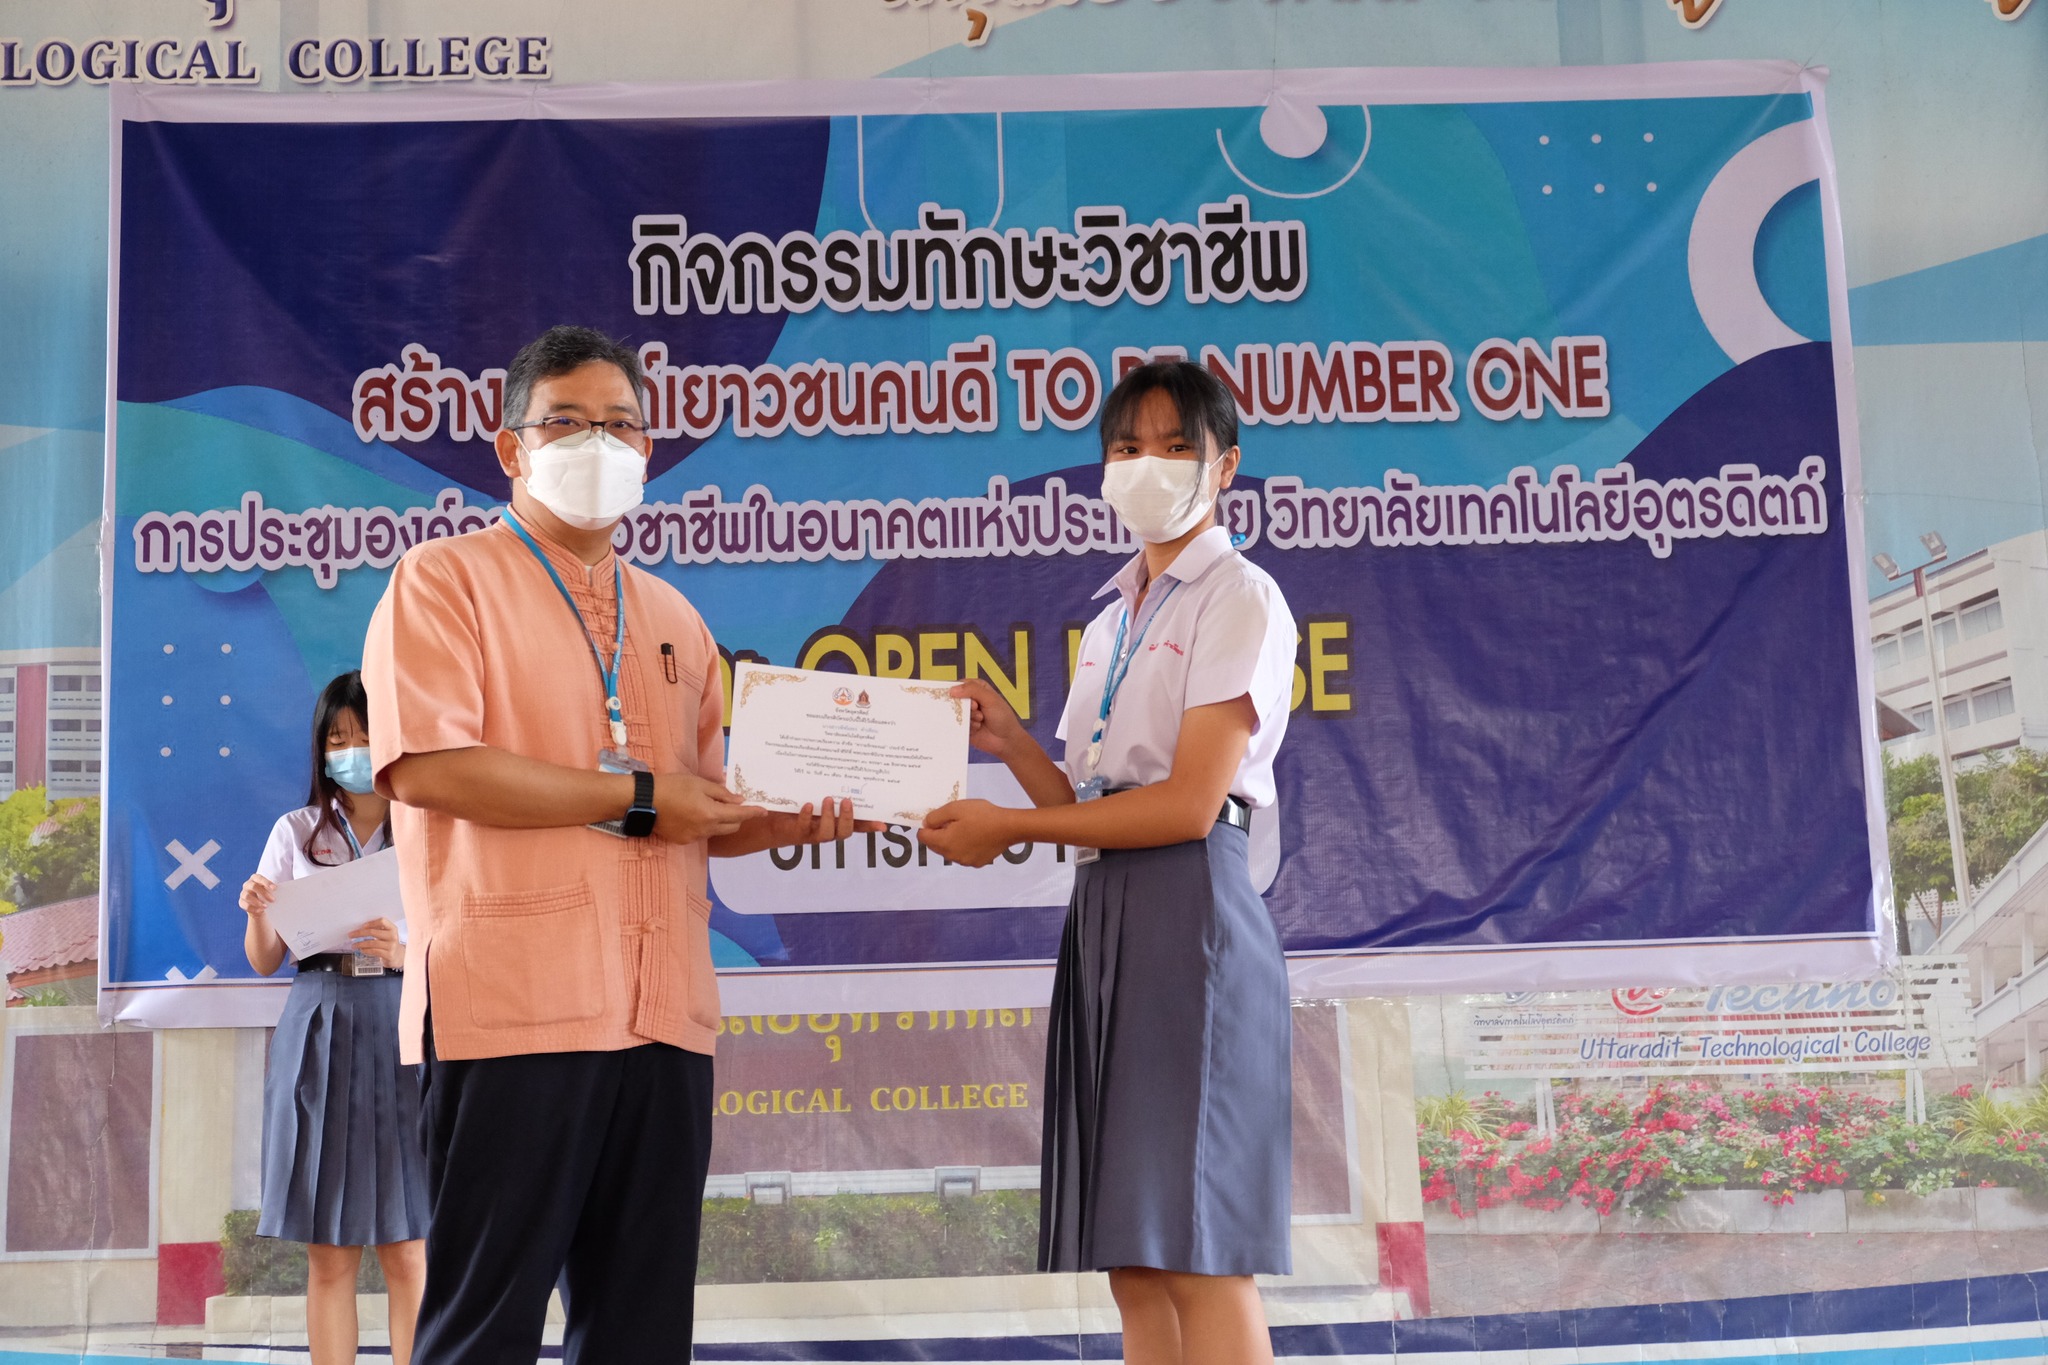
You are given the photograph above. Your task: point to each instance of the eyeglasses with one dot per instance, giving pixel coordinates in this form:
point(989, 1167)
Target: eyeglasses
point(552, 429)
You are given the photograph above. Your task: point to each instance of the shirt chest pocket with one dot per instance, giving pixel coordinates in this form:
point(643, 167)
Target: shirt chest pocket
point(675, 693)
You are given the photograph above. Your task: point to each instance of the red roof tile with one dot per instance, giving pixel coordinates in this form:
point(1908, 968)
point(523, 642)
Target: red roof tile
point(55, 935)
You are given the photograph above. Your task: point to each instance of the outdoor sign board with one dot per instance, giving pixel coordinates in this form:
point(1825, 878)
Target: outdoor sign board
point(1916, 1017)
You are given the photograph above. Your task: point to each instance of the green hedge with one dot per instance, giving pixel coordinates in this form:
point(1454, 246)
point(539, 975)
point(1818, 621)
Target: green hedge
point(265, 1265)
point(837, 1237)
point(869, 1237)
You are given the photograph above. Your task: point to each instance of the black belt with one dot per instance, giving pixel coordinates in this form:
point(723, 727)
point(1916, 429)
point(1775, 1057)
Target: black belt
point(1235, 813)
point(341, 964)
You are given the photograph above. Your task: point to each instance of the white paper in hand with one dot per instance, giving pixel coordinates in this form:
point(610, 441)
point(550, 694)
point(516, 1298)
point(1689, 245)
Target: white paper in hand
point(316, 914)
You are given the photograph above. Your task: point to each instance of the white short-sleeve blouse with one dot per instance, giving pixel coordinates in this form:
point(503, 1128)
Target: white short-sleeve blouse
point(1223, 632)
point(284, 856)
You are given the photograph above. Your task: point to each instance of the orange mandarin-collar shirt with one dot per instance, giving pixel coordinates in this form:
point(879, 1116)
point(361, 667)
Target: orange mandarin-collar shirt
point(543, 940)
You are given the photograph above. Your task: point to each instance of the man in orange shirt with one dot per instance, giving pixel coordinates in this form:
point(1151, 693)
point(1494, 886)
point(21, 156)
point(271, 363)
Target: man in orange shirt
point(550, 722)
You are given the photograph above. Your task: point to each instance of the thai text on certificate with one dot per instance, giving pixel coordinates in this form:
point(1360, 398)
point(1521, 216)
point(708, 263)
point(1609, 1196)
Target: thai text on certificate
point(896, 747)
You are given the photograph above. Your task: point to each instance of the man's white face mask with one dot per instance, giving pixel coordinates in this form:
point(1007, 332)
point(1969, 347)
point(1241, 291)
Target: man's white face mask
point(1158, 498)
point(589, 480)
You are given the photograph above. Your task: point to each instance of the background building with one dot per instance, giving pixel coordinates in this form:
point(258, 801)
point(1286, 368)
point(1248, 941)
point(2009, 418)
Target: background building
point(2004, 934)
point(50, 722)
point(1990, 613)
point(1991, 624)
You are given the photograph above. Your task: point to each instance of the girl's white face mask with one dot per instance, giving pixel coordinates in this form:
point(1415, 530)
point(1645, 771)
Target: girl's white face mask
point(588, 480)
point(1158, 498)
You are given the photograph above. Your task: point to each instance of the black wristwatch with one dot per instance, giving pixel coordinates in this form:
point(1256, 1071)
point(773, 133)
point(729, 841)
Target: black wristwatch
point(639, 821)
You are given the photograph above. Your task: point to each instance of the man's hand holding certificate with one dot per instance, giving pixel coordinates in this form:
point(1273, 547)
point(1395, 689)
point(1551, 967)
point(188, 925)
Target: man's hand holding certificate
point(896, 746)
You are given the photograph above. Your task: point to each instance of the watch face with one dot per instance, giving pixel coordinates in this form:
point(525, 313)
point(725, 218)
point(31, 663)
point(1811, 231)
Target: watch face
point(639, 822)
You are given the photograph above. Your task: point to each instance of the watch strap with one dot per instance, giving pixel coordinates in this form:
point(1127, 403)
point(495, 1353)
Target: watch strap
point(639, 821)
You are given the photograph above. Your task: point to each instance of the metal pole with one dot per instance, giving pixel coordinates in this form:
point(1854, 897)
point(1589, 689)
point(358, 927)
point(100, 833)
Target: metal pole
point(1959, 860)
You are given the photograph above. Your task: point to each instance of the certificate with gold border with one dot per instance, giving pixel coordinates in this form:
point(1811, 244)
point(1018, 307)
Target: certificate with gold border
point(896, 747)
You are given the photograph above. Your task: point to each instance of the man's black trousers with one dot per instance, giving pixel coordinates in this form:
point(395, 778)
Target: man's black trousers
point(583, 1166)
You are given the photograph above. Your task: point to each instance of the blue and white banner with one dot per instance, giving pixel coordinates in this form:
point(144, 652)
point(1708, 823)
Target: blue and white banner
point(1548, 437)
point(1941, 1322)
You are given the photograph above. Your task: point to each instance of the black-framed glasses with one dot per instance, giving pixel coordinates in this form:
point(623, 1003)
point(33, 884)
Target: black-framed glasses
point(631, 430)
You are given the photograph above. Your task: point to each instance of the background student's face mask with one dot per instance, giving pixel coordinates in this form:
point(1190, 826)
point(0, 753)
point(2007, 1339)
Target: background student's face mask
point(1158, 498)
point(589, 480)
point(350, 769)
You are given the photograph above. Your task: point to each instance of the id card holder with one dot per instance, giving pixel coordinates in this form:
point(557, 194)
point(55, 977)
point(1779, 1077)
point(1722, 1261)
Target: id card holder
point(368, 964)
point(616, 761)
point(1088, 791)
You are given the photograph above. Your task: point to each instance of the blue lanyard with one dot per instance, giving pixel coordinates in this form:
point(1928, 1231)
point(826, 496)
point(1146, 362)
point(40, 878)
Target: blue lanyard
point(609, 677)
point(1120, 668)
point(355, 846)
point(348, 833)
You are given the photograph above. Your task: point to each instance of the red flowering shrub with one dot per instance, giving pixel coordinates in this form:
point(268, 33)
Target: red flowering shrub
point(1610, 1154)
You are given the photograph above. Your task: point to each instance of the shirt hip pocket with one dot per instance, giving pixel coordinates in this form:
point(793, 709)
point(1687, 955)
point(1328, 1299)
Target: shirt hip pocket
point(532, 957)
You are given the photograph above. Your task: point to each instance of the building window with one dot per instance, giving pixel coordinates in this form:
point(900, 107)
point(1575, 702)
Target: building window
point(71, 765)
point(1990, 703)
point(66, 727)
point(1986, 703)
point(92, 765)
point(92, 727)
point(1886, 651)
point(66, 682)
point(1922, 716)
point(1912, 644)
point(92, 682)
point(6, 687)
point(1981, 617)
point(6, 727)
point(7, 766)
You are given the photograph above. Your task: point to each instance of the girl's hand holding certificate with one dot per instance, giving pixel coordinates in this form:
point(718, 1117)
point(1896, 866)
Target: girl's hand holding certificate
point(975, 833)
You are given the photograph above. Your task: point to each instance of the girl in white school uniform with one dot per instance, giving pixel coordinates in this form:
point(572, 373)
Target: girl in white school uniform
point(342, 1164)
point(1168, 1082)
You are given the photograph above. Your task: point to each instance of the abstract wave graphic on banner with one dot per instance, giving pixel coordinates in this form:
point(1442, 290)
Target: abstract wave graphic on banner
point(1543, 377)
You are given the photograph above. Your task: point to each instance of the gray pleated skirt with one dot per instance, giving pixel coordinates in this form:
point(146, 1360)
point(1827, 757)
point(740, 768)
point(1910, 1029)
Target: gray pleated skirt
point(1168, 1073)
point(342, 1164)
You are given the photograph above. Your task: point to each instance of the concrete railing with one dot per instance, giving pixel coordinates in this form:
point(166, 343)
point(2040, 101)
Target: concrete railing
point(1746, 1211)
point(832, 1310)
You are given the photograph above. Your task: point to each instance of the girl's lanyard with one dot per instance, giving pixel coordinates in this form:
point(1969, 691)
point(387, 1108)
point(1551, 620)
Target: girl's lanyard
point(608, 678)
point(1119, 668)
point(366, 964)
